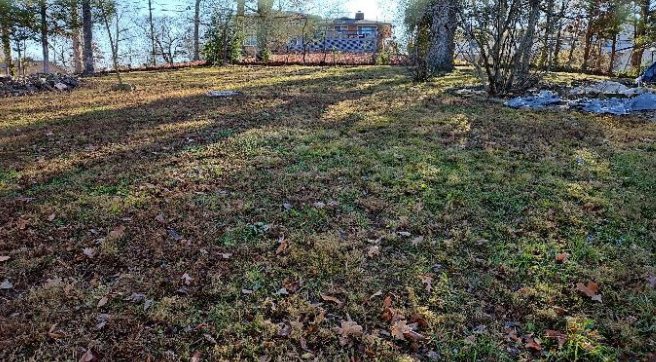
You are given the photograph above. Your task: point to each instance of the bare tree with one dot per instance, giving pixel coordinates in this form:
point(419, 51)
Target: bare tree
point(43, 11)
point(500, 37)
point(197, 31)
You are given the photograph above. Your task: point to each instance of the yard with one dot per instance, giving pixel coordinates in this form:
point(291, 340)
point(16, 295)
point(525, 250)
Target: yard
point(336, 214)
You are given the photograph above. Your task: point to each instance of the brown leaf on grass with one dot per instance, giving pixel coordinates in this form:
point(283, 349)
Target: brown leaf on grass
point(377, 294)
point(329, 298)
point(560, 337)
point(88, 356)
point(197, 357)
point(419, 320)
point(373, 251)
point(283, 245)
point(102, 302)
point(349, 328)
point(117, 233)
point(562, 258)
point(387, 302)
point(89, 252)
point(4, 258)
point(533, 344)
point(591, 290)
point(651, 280)
point(160, 218)
point(187, 279)
point(427, 280)
point(402, 330)
point(560, 311)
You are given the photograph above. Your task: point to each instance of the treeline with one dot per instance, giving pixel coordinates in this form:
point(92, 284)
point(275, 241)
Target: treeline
point(511, 42)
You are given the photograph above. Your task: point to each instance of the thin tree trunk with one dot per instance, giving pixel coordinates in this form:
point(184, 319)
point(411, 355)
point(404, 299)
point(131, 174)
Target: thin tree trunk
point(546, 47)
point(588, 43)
point(43, 10)
point(152, 34)
point(559, 37)
point(611, 66)
point(88, 37)
point(641, 31)
point(197, 31)
point(113, 44)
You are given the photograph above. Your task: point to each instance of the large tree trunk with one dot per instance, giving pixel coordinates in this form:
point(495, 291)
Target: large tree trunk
point(264, 8)
point(197, 31)
point(75, 37)
point(152, 34)
point(442, 17)
point(6, 43)
point(43, 10)
point(88, 37)
point(525, 51)
point(641, 31)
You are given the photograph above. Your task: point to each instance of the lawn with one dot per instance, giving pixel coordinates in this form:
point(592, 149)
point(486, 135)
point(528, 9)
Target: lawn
point(336, 214)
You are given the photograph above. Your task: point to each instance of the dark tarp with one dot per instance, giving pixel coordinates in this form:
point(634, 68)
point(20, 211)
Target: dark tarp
point(650, 74)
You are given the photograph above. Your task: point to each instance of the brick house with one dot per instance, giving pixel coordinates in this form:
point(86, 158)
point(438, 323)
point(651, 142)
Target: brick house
point(343, 35)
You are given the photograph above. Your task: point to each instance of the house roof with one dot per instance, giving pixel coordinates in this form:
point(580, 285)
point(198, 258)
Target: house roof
point(351, 21)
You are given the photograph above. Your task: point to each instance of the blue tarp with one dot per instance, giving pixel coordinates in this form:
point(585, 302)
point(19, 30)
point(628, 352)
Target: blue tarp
point(650, 74)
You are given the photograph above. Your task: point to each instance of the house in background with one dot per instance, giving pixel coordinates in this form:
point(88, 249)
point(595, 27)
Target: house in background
point(297, 33)
point(346, 35)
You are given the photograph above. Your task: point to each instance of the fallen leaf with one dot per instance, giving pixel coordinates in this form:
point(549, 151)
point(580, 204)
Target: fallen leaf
point(651, 279)
point(416, 241)
point(6, 285)
point(226, 256)
point(319, 205)
point(282, 291)
point(332, 299)
point(89, 252)
point(4, 258)
point(52, 217)
point(591, 290)
point(282, 245)
point(560, 337)
point(102, 320)
point(428, 281)
point(562, 258)
point(560, 311)
point(349, 328)
point(102, 302)
point(117, 233)
point(404, 234)
point(174, 234)
point(402, 330)
point(247, 291)
point(160, 218)
point(88, 356)
point(373, 251)
point(187, 279)
point(533, 344)
point(377, 294)
point(196, 357)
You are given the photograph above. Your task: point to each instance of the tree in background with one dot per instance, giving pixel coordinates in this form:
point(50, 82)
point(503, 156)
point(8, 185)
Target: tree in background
point(87, 26)
point(8, 12)
point(642, 27)
point(264, 10)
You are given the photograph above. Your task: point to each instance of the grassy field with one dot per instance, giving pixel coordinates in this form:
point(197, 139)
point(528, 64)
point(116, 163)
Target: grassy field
point(342, 214)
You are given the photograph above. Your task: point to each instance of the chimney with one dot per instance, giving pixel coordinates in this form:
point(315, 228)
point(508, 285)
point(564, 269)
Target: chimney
point(359, 15)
